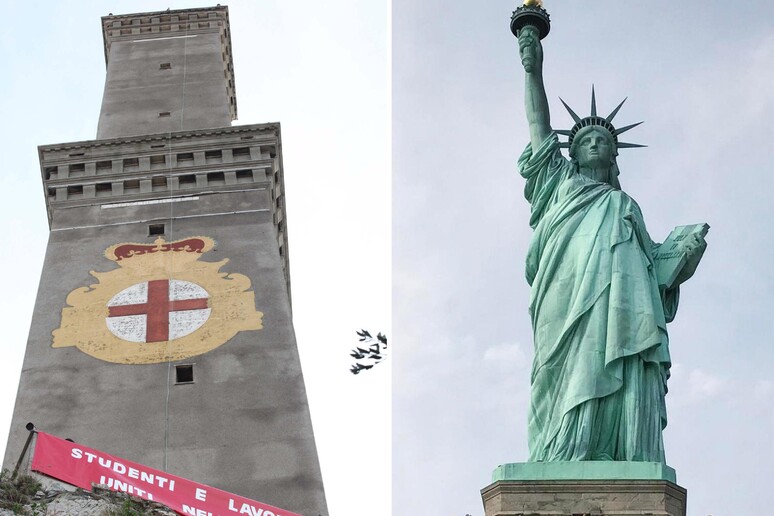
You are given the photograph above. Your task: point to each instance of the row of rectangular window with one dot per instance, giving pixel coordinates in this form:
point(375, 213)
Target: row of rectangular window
point(156, 161)
point(168, 18)
point(161, 28)
point(156, 184)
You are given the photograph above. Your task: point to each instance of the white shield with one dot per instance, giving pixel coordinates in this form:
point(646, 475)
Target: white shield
point(176, 308)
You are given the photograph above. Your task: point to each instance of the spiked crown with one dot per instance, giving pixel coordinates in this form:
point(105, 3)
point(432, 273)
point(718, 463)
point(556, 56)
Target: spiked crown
point(596, 121)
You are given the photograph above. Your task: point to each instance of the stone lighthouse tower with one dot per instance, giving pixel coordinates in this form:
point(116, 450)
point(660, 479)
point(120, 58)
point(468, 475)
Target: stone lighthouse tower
point(162, 331)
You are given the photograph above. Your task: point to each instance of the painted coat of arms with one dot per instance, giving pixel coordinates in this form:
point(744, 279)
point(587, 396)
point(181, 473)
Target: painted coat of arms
point(161, 304)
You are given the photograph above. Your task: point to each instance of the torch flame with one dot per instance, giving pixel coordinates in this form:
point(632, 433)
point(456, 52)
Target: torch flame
point(533, 3)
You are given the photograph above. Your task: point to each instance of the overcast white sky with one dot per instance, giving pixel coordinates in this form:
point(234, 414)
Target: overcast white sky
point(701, 75)
point(321, 69)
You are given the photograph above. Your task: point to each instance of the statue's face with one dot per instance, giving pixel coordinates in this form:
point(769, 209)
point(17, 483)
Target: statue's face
point(595, 150)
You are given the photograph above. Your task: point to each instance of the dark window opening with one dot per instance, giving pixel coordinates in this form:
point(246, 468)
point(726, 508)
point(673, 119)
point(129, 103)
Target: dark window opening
point(247, 137)
point(51, 173)
point(131, 162)
point(165, 66)
point(74, 190)
point(158, 183)
point(242, 152)
point(157, 160)
point(155, 229)
point(187, 181)
point(103, 189)
point(74, 154)
point(244, 176)
point(132, 186)
point(164, 114)
point(185, 156)
point(213, 154)
point(104, 167)
point(77, 169)
point(52, 192)
point(216, 178)
point(184, 373)
point(159, 146)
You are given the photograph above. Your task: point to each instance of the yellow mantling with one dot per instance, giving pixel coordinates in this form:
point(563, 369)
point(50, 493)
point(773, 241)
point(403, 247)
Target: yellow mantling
point(231, 303)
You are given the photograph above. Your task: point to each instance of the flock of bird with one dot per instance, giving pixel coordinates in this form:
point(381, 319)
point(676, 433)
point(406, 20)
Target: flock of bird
point(371, 355)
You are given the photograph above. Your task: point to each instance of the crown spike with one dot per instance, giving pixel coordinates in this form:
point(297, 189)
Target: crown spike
point(572, 113)
point(622, 145)
point(624, 129)
point(615, 111)
point(593, 102)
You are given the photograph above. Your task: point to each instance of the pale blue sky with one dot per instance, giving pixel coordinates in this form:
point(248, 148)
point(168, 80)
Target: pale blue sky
point(701, 75)
point(319, 69)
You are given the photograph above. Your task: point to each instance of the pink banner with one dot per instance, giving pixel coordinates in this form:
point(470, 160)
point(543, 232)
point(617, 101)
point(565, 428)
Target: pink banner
point(82, 467)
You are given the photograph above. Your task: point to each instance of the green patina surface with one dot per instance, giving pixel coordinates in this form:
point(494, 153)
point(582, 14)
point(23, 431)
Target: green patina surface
point(599, 312)
point(585, 470)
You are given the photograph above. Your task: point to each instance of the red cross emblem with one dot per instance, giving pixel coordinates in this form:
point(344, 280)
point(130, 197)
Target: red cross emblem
point(158, 310)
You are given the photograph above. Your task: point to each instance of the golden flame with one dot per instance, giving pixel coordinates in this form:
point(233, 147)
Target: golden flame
point(533, 3)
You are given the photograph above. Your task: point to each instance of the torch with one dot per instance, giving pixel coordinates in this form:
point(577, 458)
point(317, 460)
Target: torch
point(530, 14)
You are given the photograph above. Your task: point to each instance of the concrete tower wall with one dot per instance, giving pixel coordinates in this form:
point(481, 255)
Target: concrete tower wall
point(243, 423)
point(167, 71)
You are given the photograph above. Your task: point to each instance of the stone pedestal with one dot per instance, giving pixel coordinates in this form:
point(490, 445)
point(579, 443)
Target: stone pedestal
point(611, 496)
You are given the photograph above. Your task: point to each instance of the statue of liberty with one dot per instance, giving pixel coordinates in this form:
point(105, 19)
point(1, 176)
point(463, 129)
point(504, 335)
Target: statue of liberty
point(602, 290)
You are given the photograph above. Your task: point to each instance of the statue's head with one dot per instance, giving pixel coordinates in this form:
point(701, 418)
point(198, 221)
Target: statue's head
point(593, 142)
point(594, 151)
point(593, 147)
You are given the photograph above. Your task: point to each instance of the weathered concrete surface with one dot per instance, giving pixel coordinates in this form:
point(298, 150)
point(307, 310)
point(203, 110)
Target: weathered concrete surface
point(243, 425)
point(584, 497)
point(167, 71)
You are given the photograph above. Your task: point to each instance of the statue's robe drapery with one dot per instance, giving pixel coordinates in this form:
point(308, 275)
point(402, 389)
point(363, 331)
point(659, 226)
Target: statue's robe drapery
point(599, 319)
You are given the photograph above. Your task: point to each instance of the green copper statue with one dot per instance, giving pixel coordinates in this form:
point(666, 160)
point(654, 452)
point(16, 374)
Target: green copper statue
point(602, 291)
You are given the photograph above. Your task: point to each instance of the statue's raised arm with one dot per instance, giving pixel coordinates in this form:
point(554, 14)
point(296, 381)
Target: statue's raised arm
point(535, 101)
